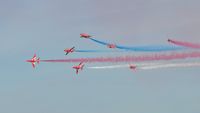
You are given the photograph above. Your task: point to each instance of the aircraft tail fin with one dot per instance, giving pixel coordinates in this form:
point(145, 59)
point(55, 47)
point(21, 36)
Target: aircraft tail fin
point(82, 67)
point(33, 64)
point(38, 60)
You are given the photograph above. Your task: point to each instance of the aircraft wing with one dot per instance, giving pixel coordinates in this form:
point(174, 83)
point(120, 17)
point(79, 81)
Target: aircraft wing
point(76, 71)
point(34, 57)
point(80, 63)
point(33, 65)
point(72, 48)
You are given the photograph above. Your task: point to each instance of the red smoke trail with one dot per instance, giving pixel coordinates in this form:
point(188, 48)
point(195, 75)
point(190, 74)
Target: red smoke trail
point(185, 44)
point(170, 56)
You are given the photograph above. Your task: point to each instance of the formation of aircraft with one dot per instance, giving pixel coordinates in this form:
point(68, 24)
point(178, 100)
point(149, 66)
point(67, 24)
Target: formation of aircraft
point(34, 60)
point(67, 51)
point(80, 66)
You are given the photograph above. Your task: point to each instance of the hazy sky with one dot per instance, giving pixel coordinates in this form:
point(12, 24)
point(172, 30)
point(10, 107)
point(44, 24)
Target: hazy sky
point(47, 27)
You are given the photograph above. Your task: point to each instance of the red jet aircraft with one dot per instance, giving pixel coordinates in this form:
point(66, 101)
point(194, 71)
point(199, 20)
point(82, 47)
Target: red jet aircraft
point(34, 60)
point(133, 67)
point(80, 66)
point(67, 51)
point(111, 46)
point(84, 35)
point(169, 40)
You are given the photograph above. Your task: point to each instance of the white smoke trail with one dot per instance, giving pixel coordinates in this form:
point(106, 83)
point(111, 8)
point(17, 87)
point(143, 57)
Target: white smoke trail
point(149, 66)
point(121, 66)
point(171, 65)
point(108, 67)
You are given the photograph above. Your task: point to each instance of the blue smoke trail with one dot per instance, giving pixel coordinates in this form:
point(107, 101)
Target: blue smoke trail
point(150, 48)
point(100, 42)
point(143, 48)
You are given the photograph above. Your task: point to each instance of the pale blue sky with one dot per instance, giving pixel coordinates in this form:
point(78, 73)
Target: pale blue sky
point(47, 27)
